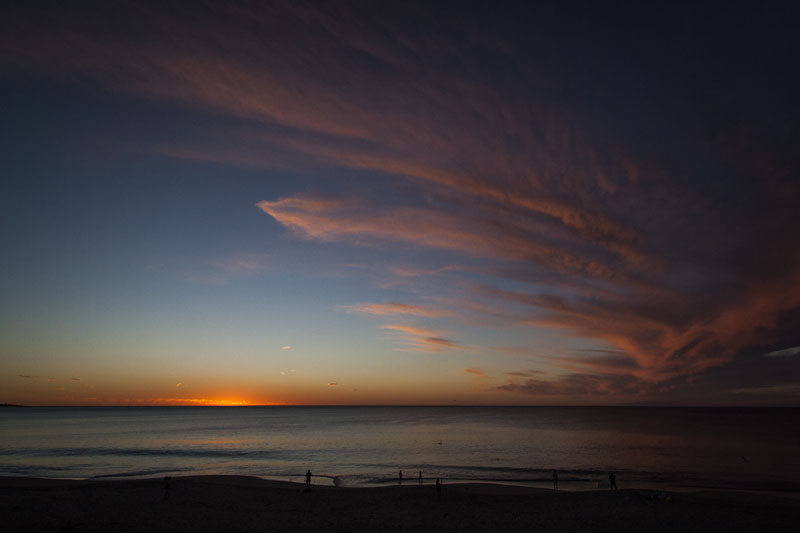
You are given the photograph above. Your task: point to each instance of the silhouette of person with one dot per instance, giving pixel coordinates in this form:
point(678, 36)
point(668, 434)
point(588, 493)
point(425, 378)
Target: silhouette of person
point(555, 480)
point(400, 477)
point(420, 477)
point(612, 480)
point(308, 478)
point(166, 486)
point(438, 487)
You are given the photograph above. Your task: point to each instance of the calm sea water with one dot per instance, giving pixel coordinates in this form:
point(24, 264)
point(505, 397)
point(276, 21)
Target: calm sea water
point(350, 446)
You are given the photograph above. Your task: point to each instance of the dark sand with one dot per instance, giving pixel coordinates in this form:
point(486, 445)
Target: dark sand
point(231, 503)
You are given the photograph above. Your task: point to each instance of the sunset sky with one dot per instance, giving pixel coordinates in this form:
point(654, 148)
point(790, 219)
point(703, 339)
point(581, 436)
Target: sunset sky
point(393, 203)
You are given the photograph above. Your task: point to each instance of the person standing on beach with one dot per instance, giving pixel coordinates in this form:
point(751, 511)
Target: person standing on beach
point(308, 478)
point(400, 477)
point(438, 487)
point(612, 480)
point(420, 477)
point(555, 480)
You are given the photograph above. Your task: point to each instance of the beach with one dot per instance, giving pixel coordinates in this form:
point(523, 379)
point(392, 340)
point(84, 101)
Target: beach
point(242, 503)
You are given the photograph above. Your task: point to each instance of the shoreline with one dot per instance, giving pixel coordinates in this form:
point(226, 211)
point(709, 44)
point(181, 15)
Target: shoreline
point(565, 485)
point(244, 503)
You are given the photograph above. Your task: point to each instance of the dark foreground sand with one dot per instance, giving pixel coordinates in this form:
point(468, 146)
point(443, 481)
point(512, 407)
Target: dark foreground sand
point(230, 503)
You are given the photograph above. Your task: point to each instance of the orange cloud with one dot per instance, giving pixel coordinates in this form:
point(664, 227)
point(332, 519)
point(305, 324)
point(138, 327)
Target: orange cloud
point(395, 308)
point(409, 271)
point(421, 339)
point(656, 337)
point(331, 219)
point(476, 372)
point(412, 127)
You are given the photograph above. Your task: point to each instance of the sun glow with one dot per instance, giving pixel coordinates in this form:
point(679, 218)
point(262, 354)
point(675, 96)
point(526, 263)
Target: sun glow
point(228, 402)
point(204, 401)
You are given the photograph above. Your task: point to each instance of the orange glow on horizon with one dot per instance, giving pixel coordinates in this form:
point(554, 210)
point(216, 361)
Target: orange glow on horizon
point(224, 402)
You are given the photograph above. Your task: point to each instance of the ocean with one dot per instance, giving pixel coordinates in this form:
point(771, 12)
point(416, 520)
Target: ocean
point(645, 447)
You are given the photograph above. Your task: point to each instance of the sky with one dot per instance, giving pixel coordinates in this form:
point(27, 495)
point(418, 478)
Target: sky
point(567, 203)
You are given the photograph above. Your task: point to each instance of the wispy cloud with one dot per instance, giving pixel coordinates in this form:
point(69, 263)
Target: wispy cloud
point(476, 372)
point(654, 331)
point(611, 361)
point(242, 264)
point(782, 391)
point(577, 386)
point(788, 352)
point(396, 308)
point(214, 271)
point(524, 374)
point(330, 219)
point(407, 271)
point(421, 339)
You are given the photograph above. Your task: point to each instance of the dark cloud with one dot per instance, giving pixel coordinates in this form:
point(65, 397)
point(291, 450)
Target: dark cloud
point(602, 360)
point(525, 374)
point(578, 386)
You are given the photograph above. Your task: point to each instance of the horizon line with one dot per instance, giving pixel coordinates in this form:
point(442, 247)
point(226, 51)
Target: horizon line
point(423, 405)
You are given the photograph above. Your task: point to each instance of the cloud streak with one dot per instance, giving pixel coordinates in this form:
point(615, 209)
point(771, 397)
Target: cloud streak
point(476, 372)
point(420, 339)
point(214, 271)
point(788, 352)
point(396, 308)
point(578, 386)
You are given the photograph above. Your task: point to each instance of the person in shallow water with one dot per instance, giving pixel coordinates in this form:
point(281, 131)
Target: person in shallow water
point(420, 477)
point(308, 478)
point(555, 480)
point(400, 477)
point(612, 481)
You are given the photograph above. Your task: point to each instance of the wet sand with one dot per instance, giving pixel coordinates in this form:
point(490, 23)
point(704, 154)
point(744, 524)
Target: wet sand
point(233, 503)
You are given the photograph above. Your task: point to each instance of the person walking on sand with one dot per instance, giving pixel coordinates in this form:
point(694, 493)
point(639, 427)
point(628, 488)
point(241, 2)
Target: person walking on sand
point(612, 481)
point(308, 478)
point(555, 480)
